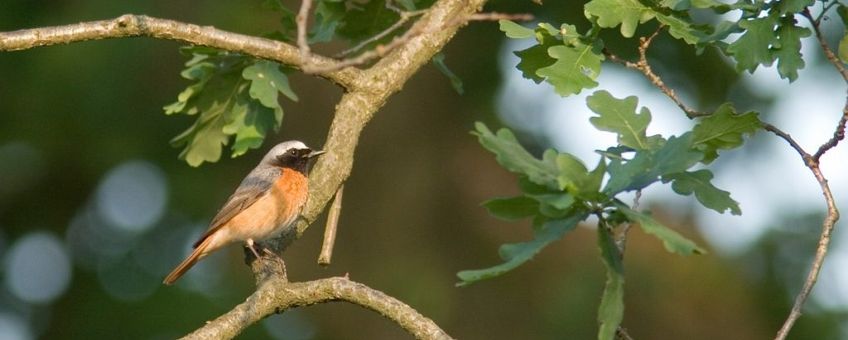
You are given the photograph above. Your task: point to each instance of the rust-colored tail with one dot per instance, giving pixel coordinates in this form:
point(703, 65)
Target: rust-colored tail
point(188, 262)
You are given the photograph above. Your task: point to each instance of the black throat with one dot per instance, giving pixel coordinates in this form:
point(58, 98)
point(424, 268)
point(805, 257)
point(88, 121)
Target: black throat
point(296, 159)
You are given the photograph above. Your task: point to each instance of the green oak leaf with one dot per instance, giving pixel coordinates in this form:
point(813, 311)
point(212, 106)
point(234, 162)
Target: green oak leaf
point(536, 57)
point(513, 157)
point(719, 32)
point(753, 47)
point(515, 31)
point(619, 116)
point(843, 43)
point(250, 123)
point(611, 309)
point(793, 6)
point(627, 13)
point(546, 31)
point(676, 155)
point(681, 28)
point(698, 182)
point(571, 169)
point(788, 49)
point(533, 59)
point(843, 47)
point(723, 130)
point(266, 81)
point(516, 254)
point(673, 242)
point(513, 208)
point(682, 5)
point(842, 11)
point(577, 180)
point(575, 69)
point(556, 205)
point(203, 140)
point(232, 95)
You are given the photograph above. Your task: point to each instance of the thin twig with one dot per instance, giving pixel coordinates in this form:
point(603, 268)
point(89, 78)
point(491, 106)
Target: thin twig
point(825, 8)
point(821, 251)
point(130, 25)
point(381, 50)
point(828, 52)
point(644, 67)
point(621, 239)
point(838, 134)
point(302, 43)
point(812, 162)
point(808, 160)
point(494, 16)
point(331, 228)
point(824, 238)
point(621, 334)
point(404, 18)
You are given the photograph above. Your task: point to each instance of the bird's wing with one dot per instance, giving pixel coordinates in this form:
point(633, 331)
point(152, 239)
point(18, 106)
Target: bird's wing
point(254, 186)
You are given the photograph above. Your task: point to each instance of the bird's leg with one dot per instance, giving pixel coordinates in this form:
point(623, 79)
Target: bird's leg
point(250, 245)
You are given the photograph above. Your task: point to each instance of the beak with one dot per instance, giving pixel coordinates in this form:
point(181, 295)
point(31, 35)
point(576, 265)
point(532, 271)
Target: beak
point(315, 153)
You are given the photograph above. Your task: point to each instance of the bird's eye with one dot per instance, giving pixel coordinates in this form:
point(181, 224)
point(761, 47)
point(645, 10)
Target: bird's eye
point(293, 152)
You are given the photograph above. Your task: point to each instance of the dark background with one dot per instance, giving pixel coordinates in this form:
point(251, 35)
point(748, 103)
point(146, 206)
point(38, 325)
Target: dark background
point(71, 114)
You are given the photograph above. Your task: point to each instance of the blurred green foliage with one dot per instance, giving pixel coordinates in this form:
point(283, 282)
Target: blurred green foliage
point(86, 108)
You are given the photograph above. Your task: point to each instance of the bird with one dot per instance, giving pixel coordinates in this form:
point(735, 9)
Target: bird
point(266, 203)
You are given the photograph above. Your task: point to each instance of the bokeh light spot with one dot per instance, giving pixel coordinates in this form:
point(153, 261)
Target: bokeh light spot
point(38, 269)
point(132, 196)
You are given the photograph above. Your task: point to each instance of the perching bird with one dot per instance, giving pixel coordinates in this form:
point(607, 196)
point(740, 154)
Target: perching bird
point(266, 203)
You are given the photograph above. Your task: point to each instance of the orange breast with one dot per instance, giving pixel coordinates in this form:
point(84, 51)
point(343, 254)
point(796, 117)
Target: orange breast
point(292, 188)
point(274, 211)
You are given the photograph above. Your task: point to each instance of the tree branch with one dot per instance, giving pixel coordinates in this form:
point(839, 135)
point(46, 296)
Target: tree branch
point(368, 93)
point(828, 52)
point(331, 229)
point(838, 134)
point(278, 295)
point(131, 25)
point(810, 161)
point(824, 239)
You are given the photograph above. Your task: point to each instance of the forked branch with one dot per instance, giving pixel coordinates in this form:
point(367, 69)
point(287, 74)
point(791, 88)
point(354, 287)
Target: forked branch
point(367, 92)
point(811, 161)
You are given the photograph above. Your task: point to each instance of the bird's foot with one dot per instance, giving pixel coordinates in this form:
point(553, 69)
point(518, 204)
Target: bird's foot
point(252, 246)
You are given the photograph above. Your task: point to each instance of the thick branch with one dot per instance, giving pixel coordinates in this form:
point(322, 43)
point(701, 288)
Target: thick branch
point(357, 107)
point(278, 295)
point(368, 93)
point(130, 25)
